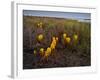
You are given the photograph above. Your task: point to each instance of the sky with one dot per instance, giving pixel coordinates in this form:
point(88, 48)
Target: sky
point(69, 15)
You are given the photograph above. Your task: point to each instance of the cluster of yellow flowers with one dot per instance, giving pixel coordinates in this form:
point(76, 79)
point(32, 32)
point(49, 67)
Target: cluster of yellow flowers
point(66, 38)
point(52, 47)
point(53, 44)
point(40, 24)
point(47, 52)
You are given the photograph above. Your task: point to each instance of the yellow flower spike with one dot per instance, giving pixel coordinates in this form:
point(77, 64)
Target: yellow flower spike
point(41, 24)
point(53, 38)
point(64, 35)
point(38, 24)
point(48, 52)
point(54, 42)
point(40, 37)
point(75, 36)
point(56, 38)
point(34, 52)
point(52, 46)
point(68, 39)
point(42, 51)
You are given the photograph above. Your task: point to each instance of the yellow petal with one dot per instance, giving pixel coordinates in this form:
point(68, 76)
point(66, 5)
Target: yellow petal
point(68, 39)
point(75, 36)
point(34, 52)
point(40, 37)
point(56, 38)
point(41, 50)
point(64, 35)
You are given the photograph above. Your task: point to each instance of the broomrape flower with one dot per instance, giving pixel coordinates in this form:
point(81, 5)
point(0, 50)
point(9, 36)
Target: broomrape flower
point(52, 46)
point(56, 38)
point(42, 51)
point(64, 35)
point(34, 52)
point(53, 38)
point(68, 39)
point(40, 24)
point(54, 42)
point(48, 52)
point(75, 36)
point(40, 37)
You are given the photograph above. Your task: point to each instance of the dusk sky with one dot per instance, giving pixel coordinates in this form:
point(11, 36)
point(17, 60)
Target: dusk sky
point(71, 15)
